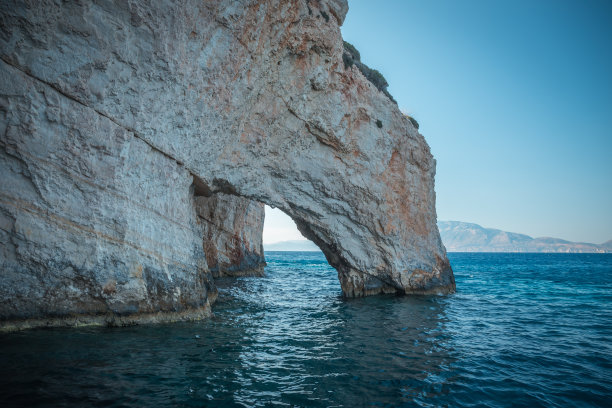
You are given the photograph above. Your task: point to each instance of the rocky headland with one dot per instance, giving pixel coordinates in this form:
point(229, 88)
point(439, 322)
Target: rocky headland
point(468, 237)
point(138, 141)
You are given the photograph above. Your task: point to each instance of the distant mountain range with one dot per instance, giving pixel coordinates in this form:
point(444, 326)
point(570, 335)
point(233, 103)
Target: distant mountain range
point(295, 245)
point(467, 237)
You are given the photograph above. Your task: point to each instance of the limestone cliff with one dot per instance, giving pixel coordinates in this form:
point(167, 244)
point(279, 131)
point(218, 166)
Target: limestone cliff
point(113, 115)
point(233, 229)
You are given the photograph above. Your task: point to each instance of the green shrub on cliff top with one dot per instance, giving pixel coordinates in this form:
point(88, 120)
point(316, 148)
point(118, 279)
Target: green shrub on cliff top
point(351, 57)
point(350, 48)
point(413, 121)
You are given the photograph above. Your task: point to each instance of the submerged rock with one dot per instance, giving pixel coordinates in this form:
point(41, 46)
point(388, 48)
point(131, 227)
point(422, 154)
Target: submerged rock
point(114, 116)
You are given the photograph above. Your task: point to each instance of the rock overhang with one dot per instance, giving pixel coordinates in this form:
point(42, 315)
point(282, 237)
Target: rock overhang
point(250, 99)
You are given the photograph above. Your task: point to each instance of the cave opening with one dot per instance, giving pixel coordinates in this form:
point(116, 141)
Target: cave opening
point(291, 256)
point(295, 264)
point(240, 233)
point(280, 233)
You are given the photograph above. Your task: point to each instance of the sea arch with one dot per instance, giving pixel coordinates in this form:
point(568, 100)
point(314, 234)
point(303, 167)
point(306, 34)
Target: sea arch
point(115, 118)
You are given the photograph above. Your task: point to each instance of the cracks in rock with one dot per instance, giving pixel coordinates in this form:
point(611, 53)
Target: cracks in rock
point(316, 130)
point(72, 175)
point(200, 188)
point(224, 186)
point(67, 224)
point(117, 123)
point(320, 133)
point(216, 225)
point(231, 30)
point(289, 108)
point(26, 172)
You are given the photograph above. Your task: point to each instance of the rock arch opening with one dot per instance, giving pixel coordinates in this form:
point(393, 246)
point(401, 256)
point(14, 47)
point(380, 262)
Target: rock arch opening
point(234, 217)
point(100, 213)
point(232, 228)
point(233, 232)
point(281, 234)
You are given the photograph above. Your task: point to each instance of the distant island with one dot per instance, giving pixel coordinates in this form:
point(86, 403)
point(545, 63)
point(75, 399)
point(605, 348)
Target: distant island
point(294, 245)
point(467, 237)
point(460, 236)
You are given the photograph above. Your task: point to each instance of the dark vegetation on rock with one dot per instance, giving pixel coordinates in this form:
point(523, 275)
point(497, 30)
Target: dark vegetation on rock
point(413, 121)
point(351, 57)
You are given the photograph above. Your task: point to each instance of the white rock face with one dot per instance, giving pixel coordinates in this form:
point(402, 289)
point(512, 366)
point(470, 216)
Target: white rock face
point(93, 221)
point(109, 110)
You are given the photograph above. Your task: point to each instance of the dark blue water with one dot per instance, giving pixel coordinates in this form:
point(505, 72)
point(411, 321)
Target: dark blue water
point(522, 330)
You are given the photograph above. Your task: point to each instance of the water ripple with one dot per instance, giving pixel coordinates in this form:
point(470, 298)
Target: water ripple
point(522, 330)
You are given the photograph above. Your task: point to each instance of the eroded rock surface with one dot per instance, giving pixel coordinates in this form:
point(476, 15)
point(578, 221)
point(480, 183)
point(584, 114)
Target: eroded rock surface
point(109, 109)
point(233, 230)
point(93, 221)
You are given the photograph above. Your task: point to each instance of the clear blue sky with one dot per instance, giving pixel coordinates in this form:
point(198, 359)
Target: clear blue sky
point(515, 100)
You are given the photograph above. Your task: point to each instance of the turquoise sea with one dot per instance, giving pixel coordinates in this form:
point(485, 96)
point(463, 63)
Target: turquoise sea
point(523, 330)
